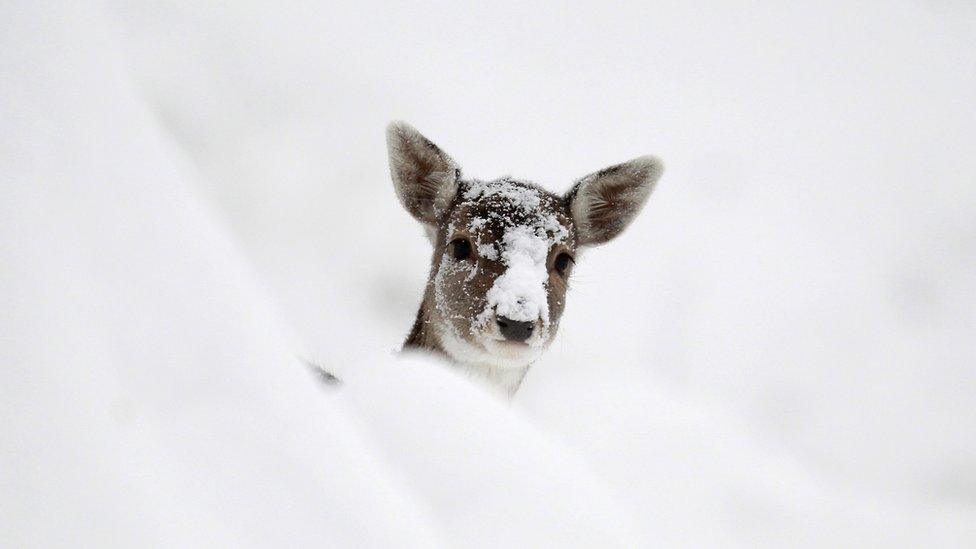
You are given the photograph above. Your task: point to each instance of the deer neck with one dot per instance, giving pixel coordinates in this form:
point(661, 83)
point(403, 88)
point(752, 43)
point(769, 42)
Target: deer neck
point(428, 334)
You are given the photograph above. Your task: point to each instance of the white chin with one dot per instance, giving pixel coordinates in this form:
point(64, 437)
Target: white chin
point(498, 353)
point(515, 353)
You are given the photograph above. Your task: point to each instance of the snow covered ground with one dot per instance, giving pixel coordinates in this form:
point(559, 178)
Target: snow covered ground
point(779, 351)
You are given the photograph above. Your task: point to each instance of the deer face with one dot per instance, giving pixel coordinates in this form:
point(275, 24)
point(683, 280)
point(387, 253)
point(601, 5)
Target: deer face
point(503, 255)
point(504, 249)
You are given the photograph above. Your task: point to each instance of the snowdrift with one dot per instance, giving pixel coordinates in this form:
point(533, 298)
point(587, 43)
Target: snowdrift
point(177, 230)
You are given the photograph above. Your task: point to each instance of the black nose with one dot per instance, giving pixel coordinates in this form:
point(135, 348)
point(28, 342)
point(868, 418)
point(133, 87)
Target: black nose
point(514, 330)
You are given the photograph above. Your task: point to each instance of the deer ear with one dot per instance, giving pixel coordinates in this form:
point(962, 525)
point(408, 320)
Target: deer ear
point(604, 203)
point(425, 178)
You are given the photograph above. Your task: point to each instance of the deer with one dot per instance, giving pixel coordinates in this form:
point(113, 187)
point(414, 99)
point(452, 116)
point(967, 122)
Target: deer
point(503, 252)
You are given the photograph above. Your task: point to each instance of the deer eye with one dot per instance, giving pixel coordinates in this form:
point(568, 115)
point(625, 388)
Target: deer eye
point(562, 263)
point(461, 248)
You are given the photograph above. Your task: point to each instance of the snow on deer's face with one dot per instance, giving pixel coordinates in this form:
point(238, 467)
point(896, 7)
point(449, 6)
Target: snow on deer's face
point(502, 261)
point(503, 249)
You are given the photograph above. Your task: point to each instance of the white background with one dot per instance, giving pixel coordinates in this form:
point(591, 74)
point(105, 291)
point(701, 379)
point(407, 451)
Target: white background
point(780, 349)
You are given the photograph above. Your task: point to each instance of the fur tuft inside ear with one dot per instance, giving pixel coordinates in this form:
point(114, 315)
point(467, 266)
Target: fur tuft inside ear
point(604, 203)
point(424, 177)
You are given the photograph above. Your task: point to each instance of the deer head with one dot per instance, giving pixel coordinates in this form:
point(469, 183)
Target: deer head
point(503, 251)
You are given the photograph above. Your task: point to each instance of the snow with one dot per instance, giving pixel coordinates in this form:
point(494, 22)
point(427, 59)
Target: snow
point(520, 292)
point(777, 353)
point(530, 231)
point(488, 250)
point(520, 196)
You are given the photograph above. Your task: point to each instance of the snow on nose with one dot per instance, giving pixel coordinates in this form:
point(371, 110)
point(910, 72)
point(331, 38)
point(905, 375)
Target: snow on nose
point(520, 293)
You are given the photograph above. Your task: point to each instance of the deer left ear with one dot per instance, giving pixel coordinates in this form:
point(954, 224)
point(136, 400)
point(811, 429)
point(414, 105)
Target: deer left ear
point(424, 176)
point(604, 203)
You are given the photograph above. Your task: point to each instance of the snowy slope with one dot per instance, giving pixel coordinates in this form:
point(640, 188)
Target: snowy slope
point(148, 394)
point(777, 353)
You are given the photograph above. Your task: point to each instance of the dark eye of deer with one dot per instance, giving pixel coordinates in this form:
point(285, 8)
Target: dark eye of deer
point(562, 263)
point(461, 248)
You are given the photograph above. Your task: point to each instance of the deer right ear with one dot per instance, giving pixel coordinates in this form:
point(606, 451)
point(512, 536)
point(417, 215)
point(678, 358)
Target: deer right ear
point(425, 178)
point(604, 203)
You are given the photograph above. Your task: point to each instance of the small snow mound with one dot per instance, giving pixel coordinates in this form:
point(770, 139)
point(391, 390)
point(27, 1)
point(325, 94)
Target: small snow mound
point(520, 293)
point(525, 198)
point(488, 251)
